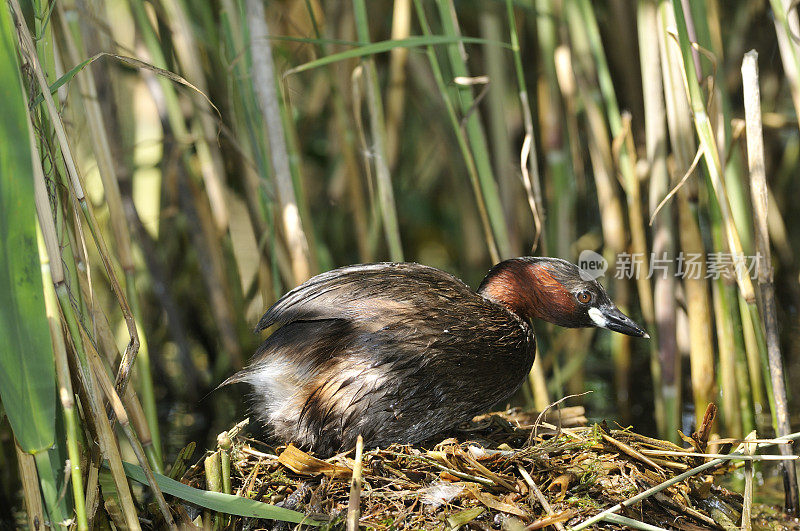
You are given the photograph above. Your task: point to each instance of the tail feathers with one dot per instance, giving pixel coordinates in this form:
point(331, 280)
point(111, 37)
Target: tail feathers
point(239, 377)
point(276, 395)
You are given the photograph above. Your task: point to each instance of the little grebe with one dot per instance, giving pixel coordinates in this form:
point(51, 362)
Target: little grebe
point(398, 352)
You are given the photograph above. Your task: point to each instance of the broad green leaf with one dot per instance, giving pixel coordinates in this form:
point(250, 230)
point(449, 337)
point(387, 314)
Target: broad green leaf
point(27, 372)
point(385, 46)
point(217, 501)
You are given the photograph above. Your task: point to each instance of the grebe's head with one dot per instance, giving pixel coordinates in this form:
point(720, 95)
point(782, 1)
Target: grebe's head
point(554, 290)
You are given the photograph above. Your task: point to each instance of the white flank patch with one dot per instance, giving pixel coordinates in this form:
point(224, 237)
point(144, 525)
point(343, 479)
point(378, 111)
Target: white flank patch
point(281, 391)
point(598, 317)
point(275, 383)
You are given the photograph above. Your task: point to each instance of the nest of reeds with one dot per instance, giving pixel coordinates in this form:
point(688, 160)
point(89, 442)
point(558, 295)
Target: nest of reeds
point(509, 470)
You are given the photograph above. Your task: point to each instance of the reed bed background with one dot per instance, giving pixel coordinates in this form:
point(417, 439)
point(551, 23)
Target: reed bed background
point(192, 161)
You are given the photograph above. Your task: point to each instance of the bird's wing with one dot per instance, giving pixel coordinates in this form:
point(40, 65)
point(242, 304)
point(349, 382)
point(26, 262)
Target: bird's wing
point(362, 292)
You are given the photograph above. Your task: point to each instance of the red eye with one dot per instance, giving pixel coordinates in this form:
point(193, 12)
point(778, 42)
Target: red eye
point(584, 297)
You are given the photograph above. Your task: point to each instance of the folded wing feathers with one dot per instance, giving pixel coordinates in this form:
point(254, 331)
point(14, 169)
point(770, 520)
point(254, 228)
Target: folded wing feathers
point(342, 292)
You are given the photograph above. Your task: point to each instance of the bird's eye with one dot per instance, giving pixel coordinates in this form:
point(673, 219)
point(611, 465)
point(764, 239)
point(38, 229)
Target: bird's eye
point(584, 297)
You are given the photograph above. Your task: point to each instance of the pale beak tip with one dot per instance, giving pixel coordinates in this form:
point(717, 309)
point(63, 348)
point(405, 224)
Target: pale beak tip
point(646, 335)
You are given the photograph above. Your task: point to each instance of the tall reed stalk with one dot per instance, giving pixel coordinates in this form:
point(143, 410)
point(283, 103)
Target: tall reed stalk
point(758, 189)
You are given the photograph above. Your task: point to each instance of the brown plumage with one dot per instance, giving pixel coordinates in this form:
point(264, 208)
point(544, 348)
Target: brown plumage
point(400, 352)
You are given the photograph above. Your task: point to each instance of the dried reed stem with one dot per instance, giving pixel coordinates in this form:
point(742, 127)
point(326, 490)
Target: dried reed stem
point(396, 91)
point(267, 95)
point(30, 489)
point(758, 189)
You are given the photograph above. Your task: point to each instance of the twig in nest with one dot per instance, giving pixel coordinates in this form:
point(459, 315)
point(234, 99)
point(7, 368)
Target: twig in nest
point(700, 437)
point(539, 496)
point(354, 505)
point(535, 430)
point(624, 448)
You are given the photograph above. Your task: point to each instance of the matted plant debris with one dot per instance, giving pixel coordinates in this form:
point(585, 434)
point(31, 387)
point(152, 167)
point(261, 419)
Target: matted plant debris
point(507, 470)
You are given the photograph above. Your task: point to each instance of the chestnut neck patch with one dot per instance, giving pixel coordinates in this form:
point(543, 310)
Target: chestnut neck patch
point(530, 289)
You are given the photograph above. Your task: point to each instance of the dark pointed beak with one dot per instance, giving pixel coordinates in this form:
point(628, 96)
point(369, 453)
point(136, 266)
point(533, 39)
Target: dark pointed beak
point(611, 318)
